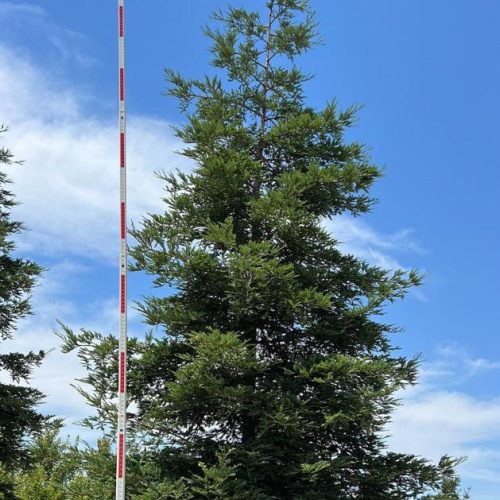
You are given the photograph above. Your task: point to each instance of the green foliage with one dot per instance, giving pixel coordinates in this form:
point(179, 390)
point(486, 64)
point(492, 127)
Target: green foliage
point(19, 417)
point(6, 485)
point(62, 470)
point(274, 375)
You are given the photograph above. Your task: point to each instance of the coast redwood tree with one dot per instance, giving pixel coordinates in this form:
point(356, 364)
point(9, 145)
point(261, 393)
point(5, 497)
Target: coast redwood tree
point(272, 374)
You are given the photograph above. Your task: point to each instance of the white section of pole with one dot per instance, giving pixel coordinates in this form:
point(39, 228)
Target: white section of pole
point(121, 440)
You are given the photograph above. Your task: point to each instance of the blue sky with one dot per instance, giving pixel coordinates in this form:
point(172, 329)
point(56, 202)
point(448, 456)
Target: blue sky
point(428, 74)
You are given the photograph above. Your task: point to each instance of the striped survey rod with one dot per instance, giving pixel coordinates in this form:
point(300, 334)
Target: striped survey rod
point(122, 349)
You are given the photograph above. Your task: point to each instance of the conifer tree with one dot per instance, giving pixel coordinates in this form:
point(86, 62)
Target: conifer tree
point(19, 416)
point(275, 374)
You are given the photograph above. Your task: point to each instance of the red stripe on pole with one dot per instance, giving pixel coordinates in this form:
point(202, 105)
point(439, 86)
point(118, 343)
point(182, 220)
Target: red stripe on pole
point(122, 294)
point(121, 446)
point(122, 372)
point(122, 220)
point(122, 150)
point(121, 20)
point(122, 85)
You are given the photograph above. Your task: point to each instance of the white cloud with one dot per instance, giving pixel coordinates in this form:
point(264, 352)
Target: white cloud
point(438, 417)
point(433, 423)
point(68, 184)
point(28, 94)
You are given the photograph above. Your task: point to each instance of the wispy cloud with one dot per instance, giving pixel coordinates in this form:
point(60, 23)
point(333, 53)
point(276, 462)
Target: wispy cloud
point(364, 241)
point(357, 233)
point(452, 366)
point(31, 20)
point(15, 9)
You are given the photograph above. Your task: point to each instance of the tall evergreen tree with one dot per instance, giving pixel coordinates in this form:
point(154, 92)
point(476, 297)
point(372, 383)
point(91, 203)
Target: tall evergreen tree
point(275, 375)
point(19, 416)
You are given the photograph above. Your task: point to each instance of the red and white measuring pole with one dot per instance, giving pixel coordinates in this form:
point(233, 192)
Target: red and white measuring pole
point(122, 351)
